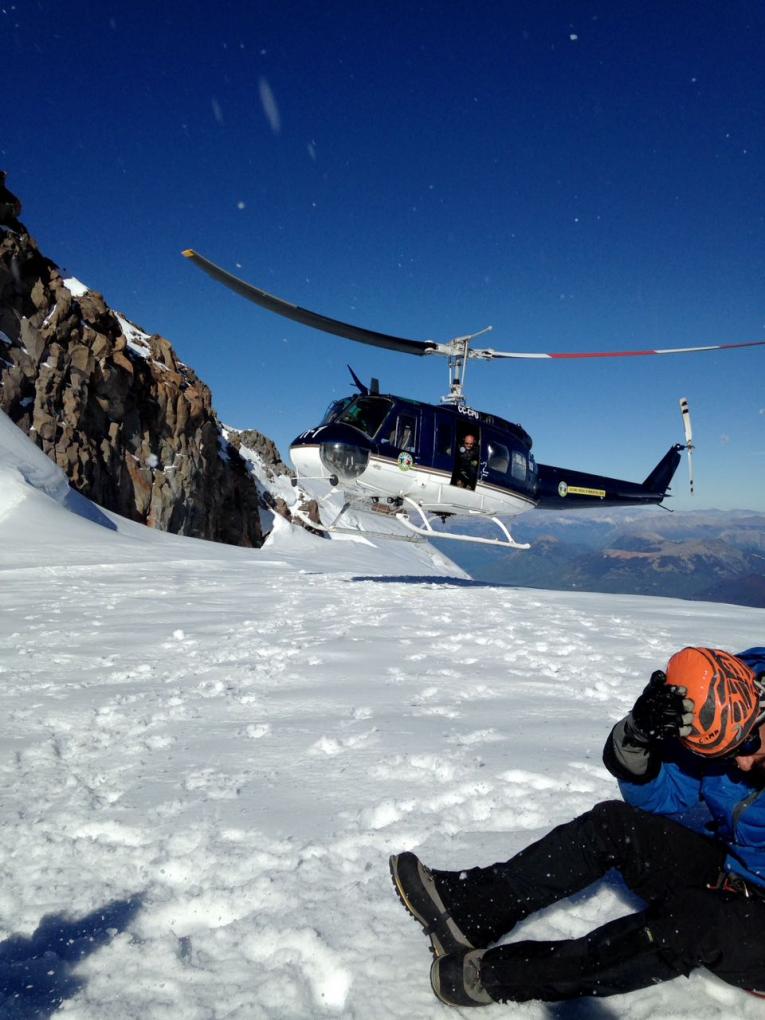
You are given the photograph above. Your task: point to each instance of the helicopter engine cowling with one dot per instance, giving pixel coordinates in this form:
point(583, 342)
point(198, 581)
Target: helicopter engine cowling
point(345, 459)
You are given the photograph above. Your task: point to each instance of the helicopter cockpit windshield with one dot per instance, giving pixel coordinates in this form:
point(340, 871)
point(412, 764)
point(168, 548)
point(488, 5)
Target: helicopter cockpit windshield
point(334, 410)
point(366, 414)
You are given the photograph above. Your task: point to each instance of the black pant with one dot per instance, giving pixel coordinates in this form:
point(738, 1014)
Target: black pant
point(684, 925)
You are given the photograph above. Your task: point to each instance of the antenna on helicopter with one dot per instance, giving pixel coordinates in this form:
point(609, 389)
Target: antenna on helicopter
point(684, 410)
point(459, 351)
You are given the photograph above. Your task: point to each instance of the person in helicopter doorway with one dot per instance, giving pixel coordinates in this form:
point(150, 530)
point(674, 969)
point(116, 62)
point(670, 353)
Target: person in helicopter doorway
point(688, 839)
point(466, 463)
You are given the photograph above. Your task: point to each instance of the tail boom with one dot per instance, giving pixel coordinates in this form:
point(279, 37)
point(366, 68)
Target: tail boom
point(562, 489)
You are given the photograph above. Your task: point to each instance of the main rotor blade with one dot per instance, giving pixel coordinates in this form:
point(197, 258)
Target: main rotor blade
point(488, 353)
point(309, 318)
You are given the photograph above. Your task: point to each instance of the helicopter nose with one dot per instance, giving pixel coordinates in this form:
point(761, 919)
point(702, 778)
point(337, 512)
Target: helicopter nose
point(345, 459)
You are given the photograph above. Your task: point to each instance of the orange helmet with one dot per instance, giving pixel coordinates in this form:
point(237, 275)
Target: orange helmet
point(726, 698)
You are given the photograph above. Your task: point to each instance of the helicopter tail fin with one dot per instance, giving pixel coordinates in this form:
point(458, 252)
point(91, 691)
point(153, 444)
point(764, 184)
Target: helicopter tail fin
point(658, 480)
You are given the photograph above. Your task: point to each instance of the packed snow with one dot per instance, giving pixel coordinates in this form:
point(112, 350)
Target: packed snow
point(208, 754)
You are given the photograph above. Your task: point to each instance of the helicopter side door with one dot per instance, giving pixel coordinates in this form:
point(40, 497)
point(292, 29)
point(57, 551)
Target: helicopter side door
point(467, 462)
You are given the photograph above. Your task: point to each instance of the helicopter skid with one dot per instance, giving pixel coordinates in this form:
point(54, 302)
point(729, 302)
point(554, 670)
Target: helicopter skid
point(427, 531)
point(334, 529)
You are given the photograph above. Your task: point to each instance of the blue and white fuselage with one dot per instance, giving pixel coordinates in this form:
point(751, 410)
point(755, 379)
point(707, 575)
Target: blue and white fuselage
point(386, 448)
point(382, 447)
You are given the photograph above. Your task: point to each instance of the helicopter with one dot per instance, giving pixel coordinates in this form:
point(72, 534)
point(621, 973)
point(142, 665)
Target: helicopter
point(423, 461)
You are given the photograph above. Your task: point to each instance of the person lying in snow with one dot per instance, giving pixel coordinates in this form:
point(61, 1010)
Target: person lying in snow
point(688, 839)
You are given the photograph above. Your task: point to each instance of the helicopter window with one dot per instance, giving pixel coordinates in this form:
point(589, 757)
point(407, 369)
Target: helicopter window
point(498, 458)
point(444, 439)
point(519, 466)
point(334, 410)
point(366, 413)
point(405, 430)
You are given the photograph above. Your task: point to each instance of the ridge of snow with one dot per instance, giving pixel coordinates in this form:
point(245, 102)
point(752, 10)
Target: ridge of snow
point(19, 456)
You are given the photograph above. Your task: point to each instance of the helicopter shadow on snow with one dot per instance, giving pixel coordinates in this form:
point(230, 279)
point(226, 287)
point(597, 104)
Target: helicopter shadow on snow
point(426, 579)
point(37, 971)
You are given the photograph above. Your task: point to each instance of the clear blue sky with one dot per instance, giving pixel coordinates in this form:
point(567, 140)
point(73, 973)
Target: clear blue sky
point(579, 175)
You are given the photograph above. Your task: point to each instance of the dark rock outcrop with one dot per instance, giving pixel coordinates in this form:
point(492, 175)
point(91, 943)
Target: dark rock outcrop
point(264, 447)
point(130, 424)
point(271, 468)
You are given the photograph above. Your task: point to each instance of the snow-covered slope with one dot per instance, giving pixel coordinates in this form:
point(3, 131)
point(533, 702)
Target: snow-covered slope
point(52, 524)
point(207, 754)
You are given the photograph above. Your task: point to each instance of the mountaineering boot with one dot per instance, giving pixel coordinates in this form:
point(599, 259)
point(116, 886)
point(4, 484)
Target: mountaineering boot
point(456, 979)
point(417, 891)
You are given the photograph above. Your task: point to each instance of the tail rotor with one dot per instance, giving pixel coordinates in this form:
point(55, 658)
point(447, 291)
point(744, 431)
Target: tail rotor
point(685, 411)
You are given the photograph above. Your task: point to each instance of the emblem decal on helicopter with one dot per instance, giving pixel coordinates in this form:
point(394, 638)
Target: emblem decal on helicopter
point(405, 461)
point(579, 490)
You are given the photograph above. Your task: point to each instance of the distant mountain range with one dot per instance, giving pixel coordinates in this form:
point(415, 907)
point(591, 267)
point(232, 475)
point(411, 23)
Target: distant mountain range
point(710, 555)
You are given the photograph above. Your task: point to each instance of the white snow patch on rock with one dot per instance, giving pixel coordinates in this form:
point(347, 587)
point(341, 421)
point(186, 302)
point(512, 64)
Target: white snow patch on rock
point(75, 287)
point(137, 340)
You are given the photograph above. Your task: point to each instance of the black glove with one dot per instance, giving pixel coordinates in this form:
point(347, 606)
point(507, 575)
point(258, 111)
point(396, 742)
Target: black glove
point(661, 711)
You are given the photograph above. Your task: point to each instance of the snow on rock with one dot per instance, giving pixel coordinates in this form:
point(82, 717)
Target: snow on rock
point(75, 287)
point(207, 754)
point(137, 340)
point(272, 480)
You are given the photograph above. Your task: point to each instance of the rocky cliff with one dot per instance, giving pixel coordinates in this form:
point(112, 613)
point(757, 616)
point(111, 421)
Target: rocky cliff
point(132, 426)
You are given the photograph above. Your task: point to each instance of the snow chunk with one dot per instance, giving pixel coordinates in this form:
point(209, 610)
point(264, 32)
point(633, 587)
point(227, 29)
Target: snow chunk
point(304, 950)
point(75, 287)
point(255, 732)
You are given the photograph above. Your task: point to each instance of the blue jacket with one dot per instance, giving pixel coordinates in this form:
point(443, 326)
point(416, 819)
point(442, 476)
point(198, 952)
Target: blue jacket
point(711, 797)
